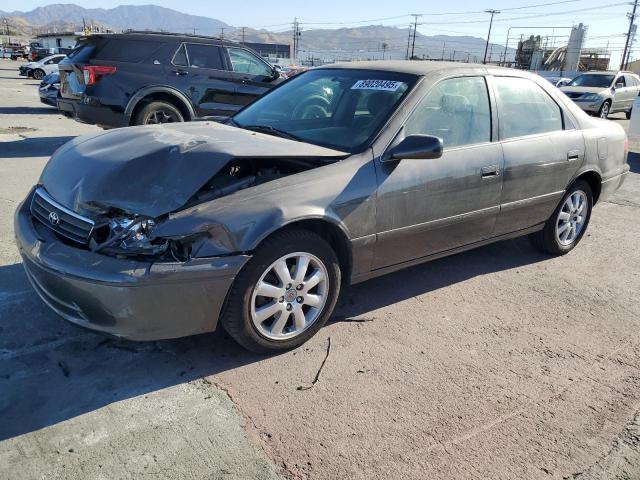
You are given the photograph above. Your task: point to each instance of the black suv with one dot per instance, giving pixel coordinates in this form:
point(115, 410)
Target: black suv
point(138, 78)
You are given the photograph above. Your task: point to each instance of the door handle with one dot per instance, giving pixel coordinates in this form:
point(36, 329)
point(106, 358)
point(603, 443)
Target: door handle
point(180, 73)
point(489, 171)
point(573, 155)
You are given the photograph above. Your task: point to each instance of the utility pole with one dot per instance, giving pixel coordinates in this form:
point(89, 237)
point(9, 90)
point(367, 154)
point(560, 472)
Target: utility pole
point(408, 42)
point(243, 29)
point(444, 44)
point(415, 27)
point(384, 49)
point(296, 35)
point(486, 47)
point(632, 18)
point(221, 33)
point(633, 37)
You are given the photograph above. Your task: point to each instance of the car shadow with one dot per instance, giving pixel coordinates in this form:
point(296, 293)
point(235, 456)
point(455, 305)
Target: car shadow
point(32, 146)
point(28, 110)
point(51, 371)
point(359, 300)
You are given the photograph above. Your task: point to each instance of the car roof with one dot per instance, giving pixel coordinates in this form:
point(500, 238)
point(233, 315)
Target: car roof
point(415, 67)
point(176, 37)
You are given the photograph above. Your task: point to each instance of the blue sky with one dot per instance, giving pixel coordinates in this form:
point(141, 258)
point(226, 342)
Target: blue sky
point(606, 19)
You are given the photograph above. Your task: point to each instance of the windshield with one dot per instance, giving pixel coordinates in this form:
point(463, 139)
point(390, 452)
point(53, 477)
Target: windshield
point(591, 80)
point(334, 108)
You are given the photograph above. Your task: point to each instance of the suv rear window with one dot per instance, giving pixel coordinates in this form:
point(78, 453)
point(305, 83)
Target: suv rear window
point(129, 51)
point(82, 52)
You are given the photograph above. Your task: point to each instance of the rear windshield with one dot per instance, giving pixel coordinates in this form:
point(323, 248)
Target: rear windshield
point(130, 51)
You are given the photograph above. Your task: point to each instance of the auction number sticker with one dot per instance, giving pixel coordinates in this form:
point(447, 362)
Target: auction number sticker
point(384, 85)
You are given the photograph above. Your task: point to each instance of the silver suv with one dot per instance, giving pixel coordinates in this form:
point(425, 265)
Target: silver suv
point(603, 93)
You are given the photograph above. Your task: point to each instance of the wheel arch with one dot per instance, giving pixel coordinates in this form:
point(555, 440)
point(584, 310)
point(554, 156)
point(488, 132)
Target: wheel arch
point(328, 230)
point(594, 180)
point(168, 94)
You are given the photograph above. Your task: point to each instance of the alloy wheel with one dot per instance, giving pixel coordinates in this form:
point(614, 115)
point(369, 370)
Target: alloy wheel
point(604, 110)
point(160, 116)
point(289, 296)
point(571, 218)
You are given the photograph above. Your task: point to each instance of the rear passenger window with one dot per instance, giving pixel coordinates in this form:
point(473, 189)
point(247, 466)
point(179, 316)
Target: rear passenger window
point(128, 51)
point(204, 56)
point(456, 110)
point(630, 81)
point(524, 108)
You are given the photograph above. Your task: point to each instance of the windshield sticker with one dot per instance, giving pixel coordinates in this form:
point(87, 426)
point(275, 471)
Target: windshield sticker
point(384, 85)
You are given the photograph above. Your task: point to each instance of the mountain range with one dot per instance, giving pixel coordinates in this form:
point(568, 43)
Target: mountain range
point(367, 42)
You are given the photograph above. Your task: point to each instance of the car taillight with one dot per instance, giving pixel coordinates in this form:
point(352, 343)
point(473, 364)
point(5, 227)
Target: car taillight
point(92, 73)
point(626, 146)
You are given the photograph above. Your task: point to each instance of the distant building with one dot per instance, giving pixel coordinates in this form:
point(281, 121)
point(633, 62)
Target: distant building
point(277, 50)
point(60, 40)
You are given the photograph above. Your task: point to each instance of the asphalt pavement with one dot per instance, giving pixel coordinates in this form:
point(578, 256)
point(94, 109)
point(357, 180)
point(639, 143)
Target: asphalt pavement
point(498, 363)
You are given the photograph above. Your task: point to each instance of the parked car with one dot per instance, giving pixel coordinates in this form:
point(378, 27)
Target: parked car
point(43, 67)
point(115, 80)
point(559, 81)
point(602, 93)
point(49, 88)
point(158, 231)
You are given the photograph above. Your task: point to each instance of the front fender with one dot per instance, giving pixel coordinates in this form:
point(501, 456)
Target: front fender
point(342, 194)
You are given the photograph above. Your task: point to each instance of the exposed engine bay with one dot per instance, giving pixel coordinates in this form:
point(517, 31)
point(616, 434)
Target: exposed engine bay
point(123, 234)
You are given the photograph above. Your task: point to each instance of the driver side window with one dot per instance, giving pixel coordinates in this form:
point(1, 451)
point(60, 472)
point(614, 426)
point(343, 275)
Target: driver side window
point(456, 110)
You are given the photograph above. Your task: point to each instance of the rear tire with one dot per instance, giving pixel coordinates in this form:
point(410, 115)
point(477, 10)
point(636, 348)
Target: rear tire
point(158, 112)
point(568, 223)
point(38, 74)
point(259, 289)
point(628, 114)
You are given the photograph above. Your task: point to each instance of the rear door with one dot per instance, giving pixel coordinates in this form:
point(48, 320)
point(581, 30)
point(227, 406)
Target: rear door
point(251, 75)
point(542, 151)
point(199, 70)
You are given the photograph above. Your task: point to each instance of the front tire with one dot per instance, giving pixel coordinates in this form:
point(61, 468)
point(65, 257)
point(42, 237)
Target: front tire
point(158, 112)
point(566, 227)
point(37, 74)
point(284, 294)
point(605, 109)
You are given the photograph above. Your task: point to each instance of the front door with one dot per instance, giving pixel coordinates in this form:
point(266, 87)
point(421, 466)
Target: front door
point(429, 206)
point(251, 75)
point(198, 70)
point(542, 151)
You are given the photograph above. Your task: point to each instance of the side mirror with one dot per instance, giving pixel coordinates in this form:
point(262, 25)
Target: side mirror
point(415, 147)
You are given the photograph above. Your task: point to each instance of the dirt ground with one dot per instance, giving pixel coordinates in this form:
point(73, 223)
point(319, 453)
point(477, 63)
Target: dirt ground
point(498, 363)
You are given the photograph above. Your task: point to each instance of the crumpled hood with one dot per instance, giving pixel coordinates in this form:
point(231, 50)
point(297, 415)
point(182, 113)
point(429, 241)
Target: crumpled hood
point(155, 170)
point(597, 90)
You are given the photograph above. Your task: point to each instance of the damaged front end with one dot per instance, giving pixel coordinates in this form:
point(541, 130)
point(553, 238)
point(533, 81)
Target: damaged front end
point(125, 185)
point(122, 234)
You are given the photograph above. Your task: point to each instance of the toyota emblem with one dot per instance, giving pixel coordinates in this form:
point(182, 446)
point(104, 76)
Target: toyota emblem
point(54, 219)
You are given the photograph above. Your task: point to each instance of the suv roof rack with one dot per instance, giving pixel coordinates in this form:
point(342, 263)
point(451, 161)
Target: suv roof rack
point(174, 34)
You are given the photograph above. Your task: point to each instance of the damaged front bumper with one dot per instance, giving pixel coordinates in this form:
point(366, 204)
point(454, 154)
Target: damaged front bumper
point(126, 298)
